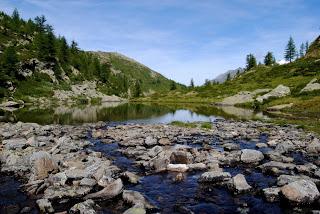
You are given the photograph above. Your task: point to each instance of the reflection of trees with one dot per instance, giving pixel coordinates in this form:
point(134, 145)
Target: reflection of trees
point(87, 114)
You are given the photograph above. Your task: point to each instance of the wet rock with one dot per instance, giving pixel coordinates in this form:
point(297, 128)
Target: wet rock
point(285, 179)
point(137, 199)
point(215, 176)
point(272, 143)
point(179, 177)
point(177, 167)
point(86, 207)
point(131, 177)
point(301, 192)
point(42, 164)
point(271, 194)
point(112, 190)
point(181, 157)
point(240, 184)
point(261, 145)
point(231, 146)
point(275, 164)
point(251, 156)
point(231, 158)
point(45, 206)
point(161, 162)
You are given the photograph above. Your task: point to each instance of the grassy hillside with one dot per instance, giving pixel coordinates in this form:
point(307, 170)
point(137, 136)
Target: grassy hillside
point(35, 62)
point(134, 71)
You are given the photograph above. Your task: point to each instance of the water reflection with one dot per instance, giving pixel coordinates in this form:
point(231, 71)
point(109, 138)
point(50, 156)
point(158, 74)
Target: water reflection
point(126, 112)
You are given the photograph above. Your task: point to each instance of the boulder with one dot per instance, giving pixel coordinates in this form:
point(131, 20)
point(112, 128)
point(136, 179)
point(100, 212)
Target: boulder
point(42, 164)
point(112, 190)
point(161, 162)
point(215, 176)
point(197, 166)
point(301, 192)
point(240, 184)
point(45, 206)
point(251, 156)
point(284, 147)
point(88, 182)
point(313, 85)
point(279, 91)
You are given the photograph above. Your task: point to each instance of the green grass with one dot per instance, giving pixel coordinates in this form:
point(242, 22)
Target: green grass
point(183, 124)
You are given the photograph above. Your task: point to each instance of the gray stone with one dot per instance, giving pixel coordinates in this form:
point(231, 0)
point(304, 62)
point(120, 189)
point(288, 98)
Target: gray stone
point(45, 206)
point(16, 143)
point(137, 199)
point(110, 191)
point(251, 156)
point(279, 91)
point(240, 184)
point(301, 192)
point(215, 176)
point(86, 207)
point(271, 194)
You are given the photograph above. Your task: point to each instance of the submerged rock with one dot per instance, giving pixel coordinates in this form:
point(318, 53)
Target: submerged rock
point(137, 199)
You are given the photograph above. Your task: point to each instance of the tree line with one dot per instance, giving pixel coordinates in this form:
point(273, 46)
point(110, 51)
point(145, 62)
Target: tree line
point(41, 43)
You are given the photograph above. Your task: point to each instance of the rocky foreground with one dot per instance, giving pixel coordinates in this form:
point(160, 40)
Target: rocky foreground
point(61, 165)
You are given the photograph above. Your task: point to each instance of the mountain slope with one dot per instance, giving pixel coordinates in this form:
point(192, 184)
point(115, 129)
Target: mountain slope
point(151, 81)
point(223, 77)
point(35, 63)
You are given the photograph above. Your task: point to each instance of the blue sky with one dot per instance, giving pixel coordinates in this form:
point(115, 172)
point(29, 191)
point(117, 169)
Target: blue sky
point(182, 39)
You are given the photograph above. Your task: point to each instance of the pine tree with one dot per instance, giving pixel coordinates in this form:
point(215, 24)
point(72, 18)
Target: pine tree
point(306, 46)
point(191, 84)
point(290, 51)
point(269, 59)
point(62, 50)
point(228, 77)
point(207, 82)
point(16, 18)
point(105, 71)
point(251, 62)
point(40, 23)
point(302, 50)
point(138, 90)
point(8, 62)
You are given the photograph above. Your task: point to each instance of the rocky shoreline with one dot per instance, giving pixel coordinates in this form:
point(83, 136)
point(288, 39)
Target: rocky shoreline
point(79, 169)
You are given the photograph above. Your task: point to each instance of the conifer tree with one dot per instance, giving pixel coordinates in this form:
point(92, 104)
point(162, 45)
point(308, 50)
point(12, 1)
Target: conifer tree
point(228, 77)
point(191, 84)
point(8, 62)
point(302, 50)
point(306, 46)
point(251, 62)
point(138, 90)
point(269, 59)
point(290, 51)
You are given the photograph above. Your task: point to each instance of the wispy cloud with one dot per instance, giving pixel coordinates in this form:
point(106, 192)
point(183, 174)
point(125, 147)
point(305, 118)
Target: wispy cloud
point(182, 39)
